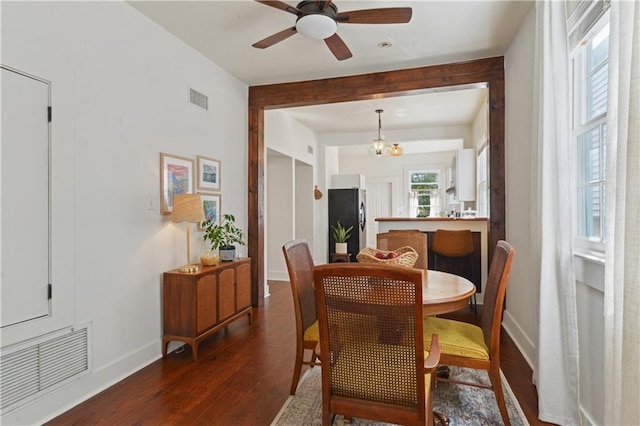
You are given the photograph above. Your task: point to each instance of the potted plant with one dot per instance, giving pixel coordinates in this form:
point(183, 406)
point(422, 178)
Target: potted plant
point(223, 236)
point(341, 235)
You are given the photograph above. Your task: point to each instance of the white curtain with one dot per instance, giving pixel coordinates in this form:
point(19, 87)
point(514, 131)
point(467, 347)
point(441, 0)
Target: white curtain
point(556, 368)
point(622, 269)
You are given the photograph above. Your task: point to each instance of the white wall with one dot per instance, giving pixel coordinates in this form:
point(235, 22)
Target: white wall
point(286, 138)
point(479, 126)
point(372, 167)
point(120, 97)
point(329, 165)
point(304, 202)
point(521, 314)
point(590, 311)
point(280, 214)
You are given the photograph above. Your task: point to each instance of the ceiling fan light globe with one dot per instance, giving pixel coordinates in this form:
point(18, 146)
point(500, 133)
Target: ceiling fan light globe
point(316, 26)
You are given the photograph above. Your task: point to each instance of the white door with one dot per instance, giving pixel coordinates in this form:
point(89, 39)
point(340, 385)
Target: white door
point(379, 204)
point(24, 155)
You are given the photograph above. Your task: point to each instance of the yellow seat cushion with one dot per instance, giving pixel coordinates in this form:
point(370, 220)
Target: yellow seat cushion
point(312, 333)
point(456, 338)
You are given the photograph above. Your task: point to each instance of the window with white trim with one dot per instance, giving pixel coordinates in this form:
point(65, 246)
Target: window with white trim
point(424, 193)
point(590, 61)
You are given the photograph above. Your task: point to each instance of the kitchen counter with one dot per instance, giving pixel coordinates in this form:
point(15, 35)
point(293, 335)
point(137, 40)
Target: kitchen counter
point(429, 219)
point(478, 226)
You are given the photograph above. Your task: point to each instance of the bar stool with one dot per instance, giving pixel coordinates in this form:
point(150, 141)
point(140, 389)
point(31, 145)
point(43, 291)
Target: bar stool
point(395, 238)
point(457, 245)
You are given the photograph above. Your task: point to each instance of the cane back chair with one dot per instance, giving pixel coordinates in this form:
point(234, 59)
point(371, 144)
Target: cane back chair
point(300, 267)
point(467, 345)
point(371, 344)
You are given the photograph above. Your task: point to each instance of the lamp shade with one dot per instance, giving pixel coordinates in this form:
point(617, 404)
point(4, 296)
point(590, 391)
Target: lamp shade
point(396, 150)
point(187, 208)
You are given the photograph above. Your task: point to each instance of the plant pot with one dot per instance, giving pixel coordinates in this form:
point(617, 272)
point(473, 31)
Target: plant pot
point(341, 248)
point(227, 253)
point(209, 258)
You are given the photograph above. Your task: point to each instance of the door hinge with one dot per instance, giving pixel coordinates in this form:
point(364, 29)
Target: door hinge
point(49, 291)
point(49, 114)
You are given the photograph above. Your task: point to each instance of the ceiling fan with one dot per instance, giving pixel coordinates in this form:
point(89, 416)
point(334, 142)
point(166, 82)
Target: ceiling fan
point(318, 20)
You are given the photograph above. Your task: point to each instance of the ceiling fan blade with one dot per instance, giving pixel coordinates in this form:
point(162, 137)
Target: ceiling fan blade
point(281, 5)
point(275, 38)
point(337, 47)
point(391, 15)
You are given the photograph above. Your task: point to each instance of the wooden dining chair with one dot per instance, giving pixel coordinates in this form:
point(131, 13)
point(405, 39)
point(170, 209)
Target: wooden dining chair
point(457, 246)
point(394, 239)
point(300, 267)
point(371, 344)
point(467, 345)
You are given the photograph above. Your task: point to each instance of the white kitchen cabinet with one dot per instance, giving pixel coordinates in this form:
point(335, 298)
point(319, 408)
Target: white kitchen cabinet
point(466, 175)
point(461, 177)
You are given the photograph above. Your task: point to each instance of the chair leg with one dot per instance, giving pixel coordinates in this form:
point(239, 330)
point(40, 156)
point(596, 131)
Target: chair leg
point(494, 376)
point(296, 369)
point(327, 417)
point(474, 305)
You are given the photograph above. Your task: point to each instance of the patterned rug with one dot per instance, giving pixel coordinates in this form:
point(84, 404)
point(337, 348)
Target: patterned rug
point(464, 405)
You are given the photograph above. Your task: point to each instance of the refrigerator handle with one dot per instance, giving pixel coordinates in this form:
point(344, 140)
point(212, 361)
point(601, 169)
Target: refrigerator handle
point(362, 216)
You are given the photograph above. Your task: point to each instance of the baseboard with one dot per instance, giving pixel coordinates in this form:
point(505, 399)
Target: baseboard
point(507, 388)
point(55, 403)
point(278, 276)
point(519, 337)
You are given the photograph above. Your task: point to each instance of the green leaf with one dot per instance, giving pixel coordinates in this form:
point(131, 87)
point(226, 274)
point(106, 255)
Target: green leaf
point(225, 234)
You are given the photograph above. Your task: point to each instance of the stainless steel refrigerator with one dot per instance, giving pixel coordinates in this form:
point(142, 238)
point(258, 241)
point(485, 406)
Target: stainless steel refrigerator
point(348, 206)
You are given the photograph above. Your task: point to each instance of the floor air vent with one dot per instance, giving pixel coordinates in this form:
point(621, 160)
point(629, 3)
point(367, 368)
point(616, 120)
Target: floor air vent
point(31, 369)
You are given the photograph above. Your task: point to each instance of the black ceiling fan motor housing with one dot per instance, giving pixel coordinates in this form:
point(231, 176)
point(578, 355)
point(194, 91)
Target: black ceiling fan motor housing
point(309, 7)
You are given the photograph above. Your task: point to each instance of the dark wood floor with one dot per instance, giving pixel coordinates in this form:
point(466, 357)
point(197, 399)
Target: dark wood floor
point(242, 377)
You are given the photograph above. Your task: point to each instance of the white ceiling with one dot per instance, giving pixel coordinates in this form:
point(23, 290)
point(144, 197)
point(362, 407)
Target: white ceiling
point(439, 32)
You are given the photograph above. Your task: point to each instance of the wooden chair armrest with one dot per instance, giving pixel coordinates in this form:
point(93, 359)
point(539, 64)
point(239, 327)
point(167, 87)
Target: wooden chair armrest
point(433, 359)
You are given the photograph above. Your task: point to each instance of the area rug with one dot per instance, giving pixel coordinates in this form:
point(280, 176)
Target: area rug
point(464, 405)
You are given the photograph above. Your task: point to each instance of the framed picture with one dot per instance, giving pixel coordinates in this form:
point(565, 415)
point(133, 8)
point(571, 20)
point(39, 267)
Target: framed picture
point(211, 206)
point(208, 173)
point(176, 177)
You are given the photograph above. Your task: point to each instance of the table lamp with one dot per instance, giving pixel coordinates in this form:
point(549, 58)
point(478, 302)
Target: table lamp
point(187, 208)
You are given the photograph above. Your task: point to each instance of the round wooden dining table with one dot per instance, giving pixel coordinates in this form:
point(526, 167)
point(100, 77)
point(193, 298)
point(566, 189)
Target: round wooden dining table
point(443, 292)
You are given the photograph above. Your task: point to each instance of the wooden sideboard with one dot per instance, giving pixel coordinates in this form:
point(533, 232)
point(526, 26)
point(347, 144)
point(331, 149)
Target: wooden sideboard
point(194, 306)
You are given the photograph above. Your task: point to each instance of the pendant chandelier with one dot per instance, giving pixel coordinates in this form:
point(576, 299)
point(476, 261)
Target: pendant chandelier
point(378, 147)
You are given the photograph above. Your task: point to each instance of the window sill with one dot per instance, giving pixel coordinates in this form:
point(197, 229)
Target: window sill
point(589, 255)
point(589, 268)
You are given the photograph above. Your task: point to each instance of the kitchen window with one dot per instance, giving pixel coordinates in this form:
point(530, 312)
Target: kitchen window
point(590, 81)
point(424, 193)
